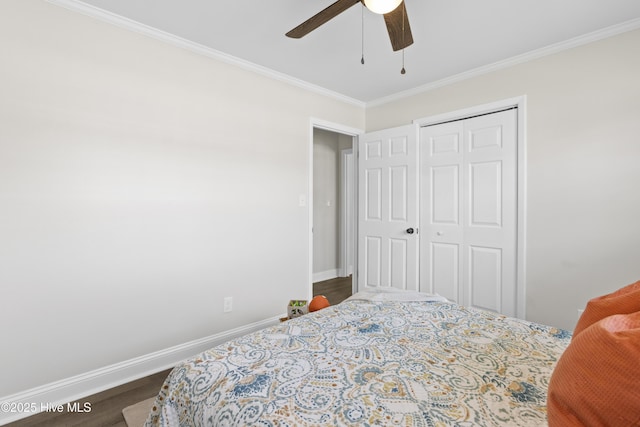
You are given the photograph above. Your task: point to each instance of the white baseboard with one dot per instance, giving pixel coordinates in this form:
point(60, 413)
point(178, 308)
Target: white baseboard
point(83, 385)
point(325, 275)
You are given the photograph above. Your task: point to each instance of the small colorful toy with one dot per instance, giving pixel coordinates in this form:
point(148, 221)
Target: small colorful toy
point(297, 307)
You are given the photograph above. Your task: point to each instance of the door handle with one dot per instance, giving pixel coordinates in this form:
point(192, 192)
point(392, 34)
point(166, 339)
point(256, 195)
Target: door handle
point(410, 230)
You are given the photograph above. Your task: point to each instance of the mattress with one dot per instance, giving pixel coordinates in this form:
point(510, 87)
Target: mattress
point(371, 363)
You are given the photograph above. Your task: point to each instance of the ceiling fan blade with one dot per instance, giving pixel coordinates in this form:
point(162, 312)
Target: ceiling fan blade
point(320, 18)
point(399, 35)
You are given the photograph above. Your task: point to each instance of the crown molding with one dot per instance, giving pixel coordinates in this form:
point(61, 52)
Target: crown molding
point(594, 36)
point(131, 25)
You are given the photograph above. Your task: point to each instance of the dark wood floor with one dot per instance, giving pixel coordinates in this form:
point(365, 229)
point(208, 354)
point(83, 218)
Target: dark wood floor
point(336, 290)
point(107, 406)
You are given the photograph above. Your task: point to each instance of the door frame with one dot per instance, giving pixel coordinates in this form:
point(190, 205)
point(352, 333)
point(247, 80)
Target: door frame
point(316, 123)
point(520, 103)
point(347, 195)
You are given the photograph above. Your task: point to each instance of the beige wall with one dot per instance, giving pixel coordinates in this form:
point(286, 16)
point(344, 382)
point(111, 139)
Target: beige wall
point(140, 184)
point(583, 149)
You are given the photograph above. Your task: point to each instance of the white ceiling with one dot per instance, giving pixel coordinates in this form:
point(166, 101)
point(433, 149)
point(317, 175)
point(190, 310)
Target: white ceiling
point(451, 36)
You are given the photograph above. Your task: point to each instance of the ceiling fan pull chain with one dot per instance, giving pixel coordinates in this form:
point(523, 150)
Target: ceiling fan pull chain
point(403, 71)
point(362, 16)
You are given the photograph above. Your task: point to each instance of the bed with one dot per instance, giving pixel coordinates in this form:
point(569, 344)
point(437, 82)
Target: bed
point(390, 360)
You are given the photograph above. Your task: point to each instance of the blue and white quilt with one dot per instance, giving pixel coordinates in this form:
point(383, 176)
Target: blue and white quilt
point(371, 363)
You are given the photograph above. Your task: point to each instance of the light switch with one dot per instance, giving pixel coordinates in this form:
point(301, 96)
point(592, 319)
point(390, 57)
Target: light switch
point(228, 304)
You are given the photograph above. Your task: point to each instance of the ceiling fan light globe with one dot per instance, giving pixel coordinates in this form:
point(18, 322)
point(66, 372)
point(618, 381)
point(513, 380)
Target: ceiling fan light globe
point(382, 6)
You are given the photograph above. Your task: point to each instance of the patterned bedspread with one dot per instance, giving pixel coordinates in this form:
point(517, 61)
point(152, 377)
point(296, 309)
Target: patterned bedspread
point(367, 364)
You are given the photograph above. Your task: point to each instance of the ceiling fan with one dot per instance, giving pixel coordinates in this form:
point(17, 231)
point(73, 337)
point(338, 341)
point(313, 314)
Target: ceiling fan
point(395, 16)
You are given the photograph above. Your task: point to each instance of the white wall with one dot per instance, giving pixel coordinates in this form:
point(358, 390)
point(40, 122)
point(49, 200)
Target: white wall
point(140, 184)
point(583, 154)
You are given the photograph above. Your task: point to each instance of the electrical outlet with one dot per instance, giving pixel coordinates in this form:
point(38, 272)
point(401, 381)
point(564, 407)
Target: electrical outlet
point(228, 304)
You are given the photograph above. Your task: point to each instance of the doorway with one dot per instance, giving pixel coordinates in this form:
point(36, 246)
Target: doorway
point(330, 226)
point(332, 208)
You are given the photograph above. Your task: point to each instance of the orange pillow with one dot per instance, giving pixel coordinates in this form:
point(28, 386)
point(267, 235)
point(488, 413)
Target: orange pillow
point(597, 379)
point(622, 301)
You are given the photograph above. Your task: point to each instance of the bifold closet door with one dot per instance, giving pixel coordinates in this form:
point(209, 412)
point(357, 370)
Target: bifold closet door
point(468, 211)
